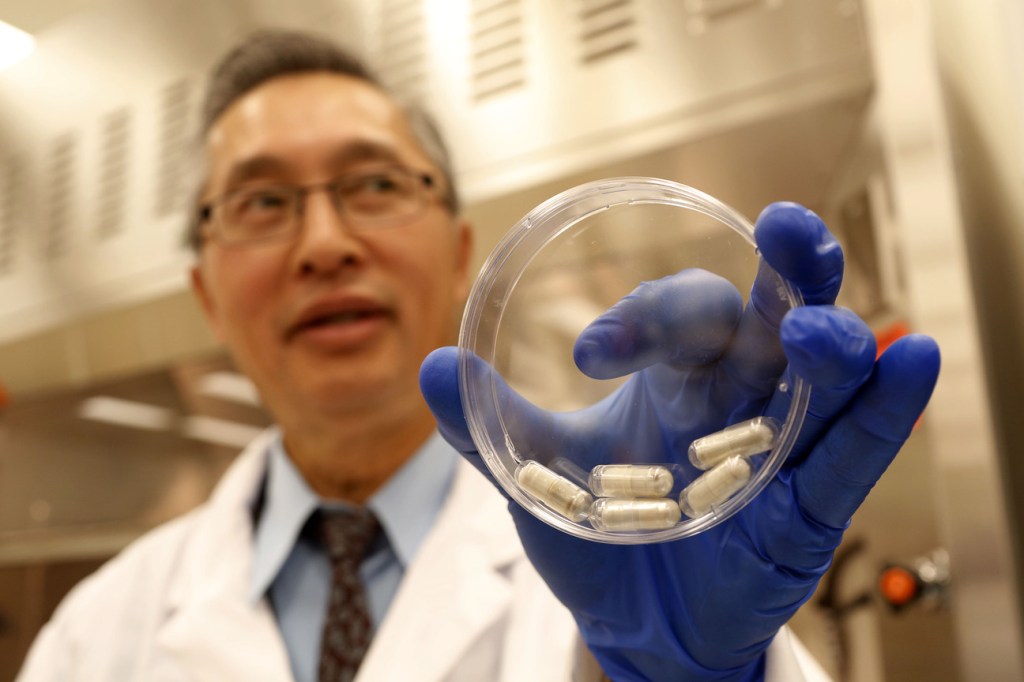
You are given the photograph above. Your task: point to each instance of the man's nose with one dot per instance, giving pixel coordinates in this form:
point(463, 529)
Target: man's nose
point(326, 242)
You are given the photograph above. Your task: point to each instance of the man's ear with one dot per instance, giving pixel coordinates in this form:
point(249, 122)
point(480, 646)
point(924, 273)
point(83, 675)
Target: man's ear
point(464, 257)
point(206, 302)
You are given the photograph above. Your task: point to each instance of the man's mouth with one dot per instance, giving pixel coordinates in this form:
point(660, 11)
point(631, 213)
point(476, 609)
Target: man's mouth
point(344, 316)
point(340, 318)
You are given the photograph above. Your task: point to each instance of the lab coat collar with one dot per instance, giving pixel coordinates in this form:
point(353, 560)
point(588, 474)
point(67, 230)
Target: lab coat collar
point(456, 590)
point(287, 503)
point(207, 601)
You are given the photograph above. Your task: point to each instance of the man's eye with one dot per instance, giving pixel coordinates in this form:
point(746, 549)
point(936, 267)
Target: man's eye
point(258, 208)
point(382, 184)
point(265, 201)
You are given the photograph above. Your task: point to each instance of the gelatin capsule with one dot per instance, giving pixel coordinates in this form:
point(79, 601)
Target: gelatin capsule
point(630, 480)
point(714, 487)
point(557, 492)
point(739, 440)
point(610, 513)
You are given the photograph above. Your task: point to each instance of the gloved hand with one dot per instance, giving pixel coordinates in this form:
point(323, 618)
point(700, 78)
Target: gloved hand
point(708, 606)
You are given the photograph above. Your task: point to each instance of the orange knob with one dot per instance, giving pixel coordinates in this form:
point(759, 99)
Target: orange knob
point(898, 585)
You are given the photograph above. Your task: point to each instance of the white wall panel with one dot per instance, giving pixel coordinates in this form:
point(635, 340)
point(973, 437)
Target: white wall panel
point(137, 63)
point(666, 64)
point(529, 90)
point(98, 125)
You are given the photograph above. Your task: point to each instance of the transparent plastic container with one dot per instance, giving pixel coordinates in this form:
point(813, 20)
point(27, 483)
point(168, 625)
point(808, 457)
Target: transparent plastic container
point(549, 434)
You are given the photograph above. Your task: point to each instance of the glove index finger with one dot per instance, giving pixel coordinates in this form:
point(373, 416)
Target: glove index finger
point(799, 247)
point(795, 246)
point(439, 383)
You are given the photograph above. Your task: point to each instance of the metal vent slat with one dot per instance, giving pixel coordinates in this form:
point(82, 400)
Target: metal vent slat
point(405, 62)
point(411, 83)
point(173, 143)
point(480, 7)
point(402, 53)
point(61, 184)
point(703, 14)
point(713, 9)
point(114, 136)
point(401, 36)
point(497, 50)
point(606, 27)
point(616, 28)
point(497, 83)
point(398, 11)
point(606, 46)
point(11, 210)
point(590, 8)
point(496, 18)
point(495, 60)
point(495, 42)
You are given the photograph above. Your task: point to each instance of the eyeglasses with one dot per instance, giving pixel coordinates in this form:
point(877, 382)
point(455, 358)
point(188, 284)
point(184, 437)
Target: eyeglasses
point(377, 198)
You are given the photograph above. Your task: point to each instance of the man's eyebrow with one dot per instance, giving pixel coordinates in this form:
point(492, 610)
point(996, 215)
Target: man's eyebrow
point(252, 167)
point(353, 152)
point(364, 150)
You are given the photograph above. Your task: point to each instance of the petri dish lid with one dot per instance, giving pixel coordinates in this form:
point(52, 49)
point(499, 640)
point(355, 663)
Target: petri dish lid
point(528, 404)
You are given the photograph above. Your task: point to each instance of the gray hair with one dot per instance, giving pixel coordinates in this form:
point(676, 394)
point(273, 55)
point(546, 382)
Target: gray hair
point(272, 53)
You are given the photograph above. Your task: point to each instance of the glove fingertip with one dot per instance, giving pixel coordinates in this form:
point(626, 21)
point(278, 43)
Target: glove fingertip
point(797, 244)
point(829, 344)
point(591, 354)
point(585, 353)
point(439, 383)
point(914, 362)
point(920, 348)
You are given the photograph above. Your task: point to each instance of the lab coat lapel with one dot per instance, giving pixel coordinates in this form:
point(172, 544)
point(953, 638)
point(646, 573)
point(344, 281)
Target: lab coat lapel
point(455, 591)
point(212, 630)
point(223, 639)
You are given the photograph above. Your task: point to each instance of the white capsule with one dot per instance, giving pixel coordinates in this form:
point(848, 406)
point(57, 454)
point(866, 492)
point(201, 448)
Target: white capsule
point(629, 480)
point(739, 440)
point(557, 492)
point(610, 513)
point(714, 487)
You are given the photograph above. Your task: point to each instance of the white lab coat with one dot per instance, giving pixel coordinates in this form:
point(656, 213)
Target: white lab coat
point(173, 606)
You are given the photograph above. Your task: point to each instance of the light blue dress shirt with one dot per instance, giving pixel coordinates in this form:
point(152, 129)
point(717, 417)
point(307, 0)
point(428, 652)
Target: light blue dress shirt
point(296, 574)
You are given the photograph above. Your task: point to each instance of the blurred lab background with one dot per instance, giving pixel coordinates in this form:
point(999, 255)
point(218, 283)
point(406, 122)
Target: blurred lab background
point(899, 121)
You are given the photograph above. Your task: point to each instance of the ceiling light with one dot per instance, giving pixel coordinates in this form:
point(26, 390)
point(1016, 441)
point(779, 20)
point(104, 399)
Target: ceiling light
point(15, 45)
point(228, 386)
point(126, 413)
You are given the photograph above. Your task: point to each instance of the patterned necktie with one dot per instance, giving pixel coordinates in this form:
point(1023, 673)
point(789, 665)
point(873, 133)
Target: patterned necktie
point(347, 627)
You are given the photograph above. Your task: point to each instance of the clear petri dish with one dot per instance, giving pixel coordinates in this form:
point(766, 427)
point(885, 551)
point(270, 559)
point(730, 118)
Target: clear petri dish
point(588, 455)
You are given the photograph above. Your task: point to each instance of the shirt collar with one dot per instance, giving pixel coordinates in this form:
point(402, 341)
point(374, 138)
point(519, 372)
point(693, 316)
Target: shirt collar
point(409, 503)
point(287, 503)
point(406, 507)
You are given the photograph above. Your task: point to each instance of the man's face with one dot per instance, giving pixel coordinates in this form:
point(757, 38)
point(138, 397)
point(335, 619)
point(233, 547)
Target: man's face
point(332, 319)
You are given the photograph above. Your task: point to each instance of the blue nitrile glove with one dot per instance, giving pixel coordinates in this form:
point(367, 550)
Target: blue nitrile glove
point(708, 606)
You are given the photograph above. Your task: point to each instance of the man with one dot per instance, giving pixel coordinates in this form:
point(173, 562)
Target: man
point(331, 262)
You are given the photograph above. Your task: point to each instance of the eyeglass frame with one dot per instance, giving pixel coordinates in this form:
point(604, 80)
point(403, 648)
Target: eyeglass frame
point(424, 185)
